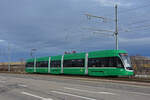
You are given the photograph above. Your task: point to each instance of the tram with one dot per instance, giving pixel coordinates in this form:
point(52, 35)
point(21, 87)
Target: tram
point(96, 63)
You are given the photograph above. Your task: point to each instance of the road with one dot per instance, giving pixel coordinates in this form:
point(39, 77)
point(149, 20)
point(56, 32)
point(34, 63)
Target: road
point(47, 87)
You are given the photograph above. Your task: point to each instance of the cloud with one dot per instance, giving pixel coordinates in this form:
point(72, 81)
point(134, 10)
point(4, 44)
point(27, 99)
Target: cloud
point(135, 41)
point(54, 26)
point(2, 40)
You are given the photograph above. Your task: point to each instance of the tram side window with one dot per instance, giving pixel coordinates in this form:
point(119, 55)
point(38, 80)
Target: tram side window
point(96, 62)
point(105, 62)
point(116, 61)
point(56, 63)
point(30, 64)
point(67, 63)
point(42, 64)
point(74, 63)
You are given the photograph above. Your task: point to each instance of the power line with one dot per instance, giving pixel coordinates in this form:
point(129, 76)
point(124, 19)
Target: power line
point(104, 34)
point(131, 9)
point(142, 26)
point(115, 33)
point(136, 8)
point(129, 30)
point(98, 29)
point(139, 22)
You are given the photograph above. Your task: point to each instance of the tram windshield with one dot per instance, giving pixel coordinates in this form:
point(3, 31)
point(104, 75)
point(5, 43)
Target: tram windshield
point(126, 61)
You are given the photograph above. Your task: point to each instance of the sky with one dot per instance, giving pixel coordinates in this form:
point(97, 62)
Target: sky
point(55, 26)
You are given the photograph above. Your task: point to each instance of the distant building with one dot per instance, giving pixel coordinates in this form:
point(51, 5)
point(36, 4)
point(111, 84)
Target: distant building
point(141, 64)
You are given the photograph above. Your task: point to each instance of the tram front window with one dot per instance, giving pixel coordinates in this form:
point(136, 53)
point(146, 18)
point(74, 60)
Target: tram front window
point(126, 61)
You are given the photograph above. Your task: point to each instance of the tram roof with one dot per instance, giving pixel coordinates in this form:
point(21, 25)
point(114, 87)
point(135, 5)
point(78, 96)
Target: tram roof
point(93, 54)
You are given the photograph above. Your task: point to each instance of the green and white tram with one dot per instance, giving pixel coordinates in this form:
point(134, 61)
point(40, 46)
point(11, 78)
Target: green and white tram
point(97, 63)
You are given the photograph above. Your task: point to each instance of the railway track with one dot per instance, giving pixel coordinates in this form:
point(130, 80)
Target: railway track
point(131, 79)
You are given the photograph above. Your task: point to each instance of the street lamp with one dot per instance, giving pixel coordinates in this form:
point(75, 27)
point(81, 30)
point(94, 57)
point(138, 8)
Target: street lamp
point(31, 53)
